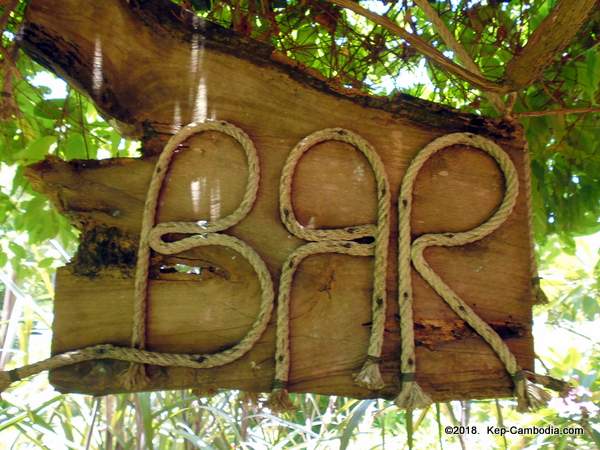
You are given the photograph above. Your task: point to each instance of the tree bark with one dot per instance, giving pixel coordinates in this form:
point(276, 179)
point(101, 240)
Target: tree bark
point(551, 37)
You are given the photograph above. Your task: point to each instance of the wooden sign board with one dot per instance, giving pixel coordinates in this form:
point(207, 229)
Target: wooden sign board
point(155, 68)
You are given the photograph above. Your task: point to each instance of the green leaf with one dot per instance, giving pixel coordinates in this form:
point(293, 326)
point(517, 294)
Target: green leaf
point(16, 418)
point(357, 414)
point(595, 435)
point(37, 150)
point(590, 307)
point(50, 109)
point(144, 408)
point(115, 141)
point(74, 147)
point(18, 251)
point(588, 74)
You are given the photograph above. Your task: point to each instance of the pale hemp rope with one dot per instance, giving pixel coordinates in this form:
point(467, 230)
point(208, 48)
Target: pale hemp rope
point(342, 240)
point(203, 234)
point(411, 395)
point(151, 236)
point(338, 240)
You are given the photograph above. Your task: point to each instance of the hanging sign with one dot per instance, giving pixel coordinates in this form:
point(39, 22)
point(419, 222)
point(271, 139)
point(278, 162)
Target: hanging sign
point(279, 234)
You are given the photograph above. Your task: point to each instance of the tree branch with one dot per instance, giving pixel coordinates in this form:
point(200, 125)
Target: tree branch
point(427, 50)
point(553, 112)
point(549, 39)
point(462, 55)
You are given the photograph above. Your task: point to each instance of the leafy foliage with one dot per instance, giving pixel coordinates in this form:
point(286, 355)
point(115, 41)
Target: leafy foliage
point(352, 52)
point(38, 120)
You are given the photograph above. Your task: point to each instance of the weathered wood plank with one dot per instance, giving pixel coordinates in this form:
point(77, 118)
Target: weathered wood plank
point(155, 68)
point(329, 289)
point(328, 335)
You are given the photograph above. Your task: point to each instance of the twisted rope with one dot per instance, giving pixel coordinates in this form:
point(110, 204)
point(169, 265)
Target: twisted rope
point(411, 395)
point(324, 241)
point(151, 237)
point(106, 351)
point(339, 240)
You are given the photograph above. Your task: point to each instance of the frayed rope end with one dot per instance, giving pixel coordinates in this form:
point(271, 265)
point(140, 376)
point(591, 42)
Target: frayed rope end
point(412, 396)
point(135, 377)
point(530, 397)
point(369, 376)
point(279, 400)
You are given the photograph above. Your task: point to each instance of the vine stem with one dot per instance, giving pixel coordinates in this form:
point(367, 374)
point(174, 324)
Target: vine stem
point(425, 48)
point(461, 53)
point(553, 112)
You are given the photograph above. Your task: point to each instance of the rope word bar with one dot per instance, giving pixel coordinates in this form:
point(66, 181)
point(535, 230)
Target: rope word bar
point(359, 240)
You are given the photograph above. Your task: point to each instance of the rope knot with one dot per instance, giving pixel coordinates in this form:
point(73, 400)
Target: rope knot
point(278, 384)
point(369, 376)
point(408, 376)
point(102, 350)
point(518, 376)
point(374, 359)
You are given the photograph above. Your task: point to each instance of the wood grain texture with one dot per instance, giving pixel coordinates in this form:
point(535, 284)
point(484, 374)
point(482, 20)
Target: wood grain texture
point(154, 83)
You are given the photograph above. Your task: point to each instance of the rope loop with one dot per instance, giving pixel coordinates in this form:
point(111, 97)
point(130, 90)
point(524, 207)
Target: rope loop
point(204, 234)
point(414, 252)
point(338, 240)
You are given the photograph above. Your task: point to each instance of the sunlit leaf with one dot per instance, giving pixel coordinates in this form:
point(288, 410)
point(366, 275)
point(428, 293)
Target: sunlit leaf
point(37, 150)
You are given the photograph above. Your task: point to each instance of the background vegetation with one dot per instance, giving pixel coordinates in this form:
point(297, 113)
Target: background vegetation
point(39, 115)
